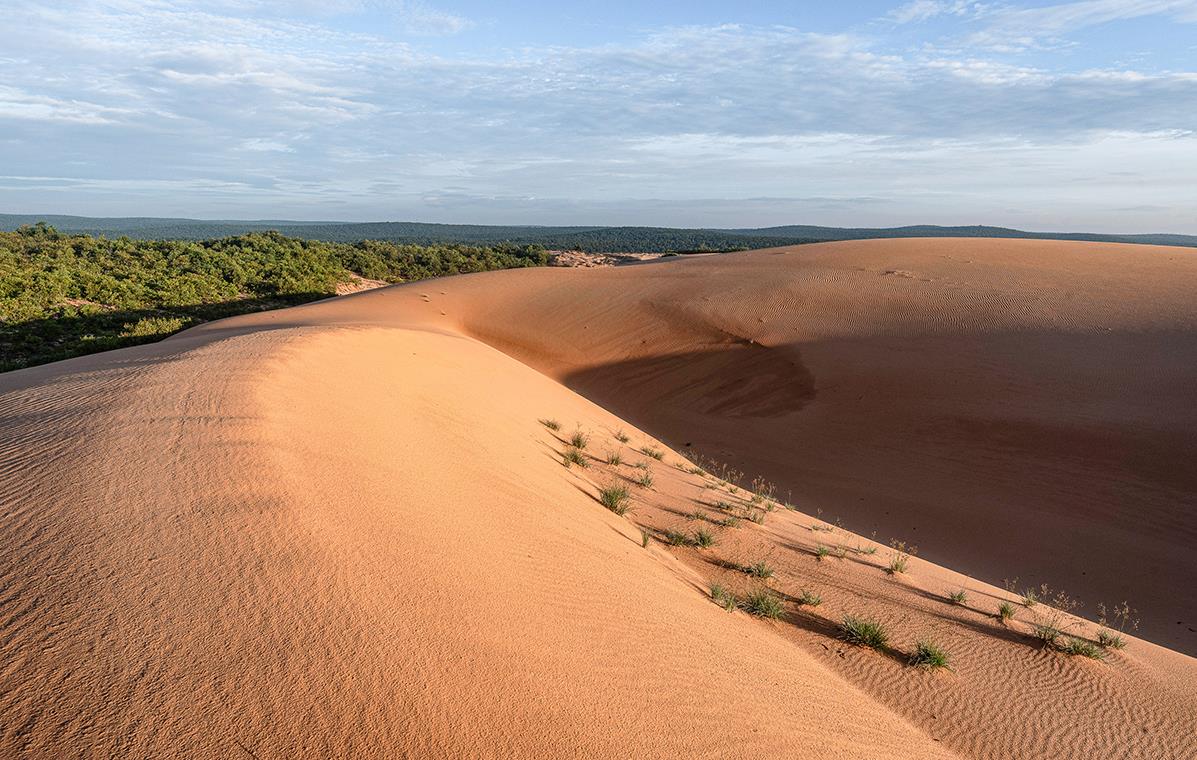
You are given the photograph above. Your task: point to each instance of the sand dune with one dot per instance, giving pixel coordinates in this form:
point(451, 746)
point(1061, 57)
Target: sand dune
point(339, 530)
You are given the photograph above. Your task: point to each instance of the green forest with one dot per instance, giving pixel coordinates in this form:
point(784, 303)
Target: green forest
point(64, 295)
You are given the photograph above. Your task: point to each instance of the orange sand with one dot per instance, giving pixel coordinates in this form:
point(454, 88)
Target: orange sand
point(338, 530)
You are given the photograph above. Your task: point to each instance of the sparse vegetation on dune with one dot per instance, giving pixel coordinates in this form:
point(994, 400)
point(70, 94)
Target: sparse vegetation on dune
point(616, 498)
point(960, 596)
point(574, 455)
point(723, 597)
point(653, 453)
point(928, 655)
point(551, 424)
point(864, 632)
point(644, 479)
point(809, 599)
point(621, 436)
point(578, 439)
point(764, 603)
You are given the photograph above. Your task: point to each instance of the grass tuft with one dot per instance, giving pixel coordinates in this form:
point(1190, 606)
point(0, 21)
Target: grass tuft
point(958, 597)
point(656, 454)
point(703, 538)
point(723, 597)
point(621, 436)
point(578, 439)
point(863, 632)
point(821, 552)
point(676, 538)
point(927, 655)
point(1005, 611)
point(645, 535)
point(764, 603)
point(1082, 648)
point(574, 455)
point(760, 570)
point(1110, 640)
point(644, 479)
point(553, 425)
point(614, 459)
point(809, 599)
point(616, 498)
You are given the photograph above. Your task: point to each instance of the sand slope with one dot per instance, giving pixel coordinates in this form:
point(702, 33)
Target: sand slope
point(339, 530)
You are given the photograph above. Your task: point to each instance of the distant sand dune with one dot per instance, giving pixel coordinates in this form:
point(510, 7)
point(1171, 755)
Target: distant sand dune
point(338, 530)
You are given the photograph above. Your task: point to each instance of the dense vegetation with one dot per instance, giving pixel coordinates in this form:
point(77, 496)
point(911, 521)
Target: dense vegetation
point(65, 295)
point(592, 238)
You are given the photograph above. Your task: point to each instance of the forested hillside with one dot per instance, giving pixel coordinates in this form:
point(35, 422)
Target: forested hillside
point(65, 295)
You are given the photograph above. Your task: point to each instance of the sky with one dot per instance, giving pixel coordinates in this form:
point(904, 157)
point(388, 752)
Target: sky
point(1046, 116)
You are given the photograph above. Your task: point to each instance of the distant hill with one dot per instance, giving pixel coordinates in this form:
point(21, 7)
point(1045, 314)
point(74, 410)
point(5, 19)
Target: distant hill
point(595, 238)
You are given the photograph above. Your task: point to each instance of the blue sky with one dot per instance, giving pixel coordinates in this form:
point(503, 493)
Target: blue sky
point(1057, 116)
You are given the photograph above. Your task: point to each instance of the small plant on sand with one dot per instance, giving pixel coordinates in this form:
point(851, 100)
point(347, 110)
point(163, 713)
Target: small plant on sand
point(764, 603)
point(645, 535)
point(821, 553)
point(1005, 611)
point(676, 538)
point(553, 425)
point(578, 439)
point(927, 655)
point(730, 522)
point(960, 596)
point(1078, 647)
point(703, 538)
point(809, 599)
point(694, 469)
point(1052, 618)
point(900, 556)
point(614, 459)
point(866, 550)
point(841, 552)
point(621, 436)
point(1114, 622)
point(863, 632)
point(723, 597)
point(726, 506)
point(757, 516)
point(616, 498)
point(656, 454)
point(574, 455)
point(759, 570)
point(644, 479)
point(1031, 596)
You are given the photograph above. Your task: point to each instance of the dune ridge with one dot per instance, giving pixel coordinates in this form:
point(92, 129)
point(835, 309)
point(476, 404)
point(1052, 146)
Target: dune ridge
point(339, 529)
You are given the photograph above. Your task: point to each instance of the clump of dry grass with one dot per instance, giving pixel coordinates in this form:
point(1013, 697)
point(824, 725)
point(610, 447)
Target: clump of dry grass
point(551, 424)
point(616, 498)
point(574, 455)
point(900, 557)
point(578, 439)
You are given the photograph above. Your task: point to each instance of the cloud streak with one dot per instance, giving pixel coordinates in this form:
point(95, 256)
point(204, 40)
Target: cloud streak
point(245, 109)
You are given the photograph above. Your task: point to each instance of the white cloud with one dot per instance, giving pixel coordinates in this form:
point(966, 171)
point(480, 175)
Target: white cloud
point(289, 112)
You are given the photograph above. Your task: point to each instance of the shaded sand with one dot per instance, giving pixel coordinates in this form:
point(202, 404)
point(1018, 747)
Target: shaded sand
point(339, 530)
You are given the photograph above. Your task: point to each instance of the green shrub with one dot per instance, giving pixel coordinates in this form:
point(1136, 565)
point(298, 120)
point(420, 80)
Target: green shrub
point(1078, 647)
point(616, 498)
point(724, 598)
point(703, 538)
point(822, 552)
point(760, 570)
point(764, 603)
point(1006, 611)
point(863, 632)
point(644, 479)
point(927, 655)
point(676, 538)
